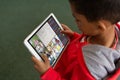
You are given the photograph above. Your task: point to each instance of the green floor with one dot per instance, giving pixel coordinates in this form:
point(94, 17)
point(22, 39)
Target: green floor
point(17, 19)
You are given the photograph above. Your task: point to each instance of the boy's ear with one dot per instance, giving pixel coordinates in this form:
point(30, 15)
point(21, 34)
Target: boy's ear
point(104, 26)
point(101, 25)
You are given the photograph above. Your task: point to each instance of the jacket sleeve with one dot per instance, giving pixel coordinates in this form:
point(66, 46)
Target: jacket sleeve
point(55, 73)
point(51, 74)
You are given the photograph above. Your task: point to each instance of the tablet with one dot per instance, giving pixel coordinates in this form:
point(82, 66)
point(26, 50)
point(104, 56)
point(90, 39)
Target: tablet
point(47, 39)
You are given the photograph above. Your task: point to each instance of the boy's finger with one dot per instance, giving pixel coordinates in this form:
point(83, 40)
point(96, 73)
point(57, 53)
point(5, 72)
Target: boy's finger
point(46, 59)
point(44, 56)
point(64, 26)
point(35, 61)
point(65, 32)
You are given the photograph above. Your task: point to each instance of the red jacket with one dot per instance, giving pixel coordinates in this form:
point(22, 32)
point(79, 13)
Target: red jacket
point(71, 65)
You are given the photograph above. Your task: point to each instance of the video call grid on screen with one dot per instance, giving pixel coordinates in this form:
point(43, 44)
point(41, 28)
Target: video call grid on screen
point(49, 40)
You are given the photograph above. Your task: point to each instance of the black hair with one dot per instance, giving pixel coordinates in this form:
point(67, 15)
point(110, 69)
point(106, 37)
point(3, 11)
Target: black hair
point(95, 10)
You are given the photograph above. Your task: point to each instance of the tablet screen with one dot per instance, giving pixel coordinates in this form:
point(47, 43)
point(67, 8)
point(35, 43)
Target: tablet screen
point(49, 40)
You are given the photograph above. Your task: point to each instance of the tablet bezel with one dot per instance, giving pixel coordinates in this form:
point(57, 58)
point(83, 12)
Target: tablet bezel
point(30, 47)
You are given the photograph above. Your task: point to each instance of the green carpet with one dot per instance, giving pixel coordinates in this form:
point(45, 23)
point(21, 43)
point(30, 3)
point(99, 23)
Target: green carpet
point(17, 19)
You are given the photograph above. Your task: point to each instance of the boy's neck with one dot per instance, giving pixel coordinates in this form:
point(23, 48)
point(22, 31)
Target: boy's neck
point(106, 39)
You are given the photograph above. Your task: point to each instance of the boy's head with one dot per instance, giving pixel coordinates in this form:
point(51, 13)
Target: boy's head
point(95, 10)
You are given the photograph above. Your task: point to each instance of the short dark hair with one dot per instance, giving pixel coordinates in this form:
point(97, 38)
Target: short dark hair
point(95, 10)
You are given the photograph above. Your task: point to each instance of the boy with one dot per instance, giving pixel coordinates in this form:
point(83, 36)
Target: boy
point(94, 54)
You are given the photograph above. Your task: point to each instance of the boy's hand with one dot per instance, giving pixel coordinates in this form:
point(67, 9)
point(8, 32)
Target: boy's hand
point(67, 31)
point(41, 66)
